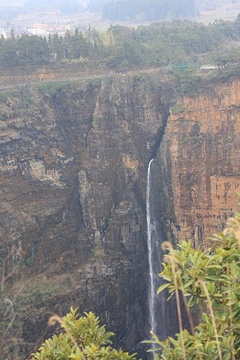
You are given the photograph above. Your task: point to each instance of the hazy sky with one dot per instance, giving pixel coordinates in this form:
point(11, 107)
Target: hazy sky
point(7, 3)
point(20, 3)
point(11, 3)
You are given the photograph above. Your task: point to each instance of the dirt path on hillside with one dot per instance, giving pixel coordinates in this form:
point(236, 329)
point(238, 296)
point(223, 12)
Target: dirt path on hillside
point(37, 79)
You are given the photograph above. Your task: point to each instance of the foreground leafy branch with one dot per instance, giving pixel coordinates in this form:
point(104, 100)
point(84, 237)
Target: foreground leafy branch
point(83, 339)
point(209, 279)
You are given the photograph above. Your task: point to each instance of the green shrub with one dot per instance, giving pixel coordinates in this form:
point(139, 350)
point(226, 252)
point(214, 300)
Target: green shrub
point(82, 339)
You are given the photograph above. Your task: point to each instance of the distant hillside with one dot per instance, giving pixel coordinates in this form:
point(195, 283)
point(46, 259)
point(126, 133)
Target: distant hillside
point(149, 9)
point(120, 10)
point(160, 44)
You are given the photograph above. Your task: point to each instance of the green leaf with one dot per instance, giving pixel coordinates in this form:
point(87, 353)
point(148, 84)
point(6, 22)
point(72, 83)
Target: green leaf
point(162, 287)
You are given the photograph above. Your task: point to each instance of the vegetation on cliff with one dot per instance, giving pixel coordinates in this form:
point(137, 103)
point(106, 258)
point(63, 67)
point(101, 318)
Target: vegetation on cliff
point(209, 279)
point(183, 49)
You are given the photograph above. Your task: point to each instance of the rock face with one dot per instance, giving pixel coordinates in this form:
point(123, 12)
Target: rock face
point(73, 169)
point(73, 164)
point(199, 164)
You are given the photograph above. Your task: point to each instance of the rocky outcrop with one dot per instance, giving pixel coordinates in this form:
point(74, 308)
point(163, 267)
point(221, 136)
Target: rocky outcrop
point(73, 164)
point(199, 164)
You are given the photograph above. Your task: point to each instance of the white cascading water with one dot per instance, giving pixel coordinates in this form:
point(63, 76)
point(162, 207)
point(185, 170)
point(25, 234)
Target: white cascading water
point(162, 313)
point(150, 250)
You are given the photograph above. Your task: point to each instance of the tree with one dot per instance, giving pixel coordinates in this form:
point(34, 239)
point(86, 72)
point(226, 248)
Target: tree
point(8, 55)
point(32, 49)
point(56, 46)
point(209, 279)
point(82, 339)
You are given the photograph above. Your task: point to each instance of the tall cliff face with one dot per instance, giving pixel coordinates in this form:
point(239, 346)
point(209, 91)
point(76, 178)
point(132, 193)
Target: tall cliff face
point(73, 165)
point(199, 164)
point(73, 169)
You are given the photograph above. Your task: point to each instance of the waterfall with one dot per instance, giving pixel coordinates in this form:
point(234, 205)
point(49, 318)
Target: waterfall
point(162, 313)
point(149, 234)
point(157, 303)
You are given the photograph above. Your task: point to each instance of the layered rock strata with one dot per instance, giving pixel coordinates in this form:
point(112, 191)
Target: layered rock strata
point(73, 160)
point(199, 164)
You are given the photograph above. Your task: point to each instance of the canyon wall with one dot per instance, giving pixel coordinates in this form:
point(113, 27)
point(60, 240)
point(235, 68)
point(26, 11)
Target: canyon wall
point(199, 164)
point(73, 170)
point(73, 163)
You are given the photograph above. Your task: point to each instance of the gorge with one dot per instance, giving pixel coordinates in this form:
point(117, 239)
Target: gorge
point(73, 172)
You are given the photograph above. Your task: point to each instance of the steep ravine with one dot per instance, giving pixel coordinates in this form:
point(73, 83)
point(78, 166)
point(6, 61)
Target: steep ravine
point(73, 171)
point(73, 165)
